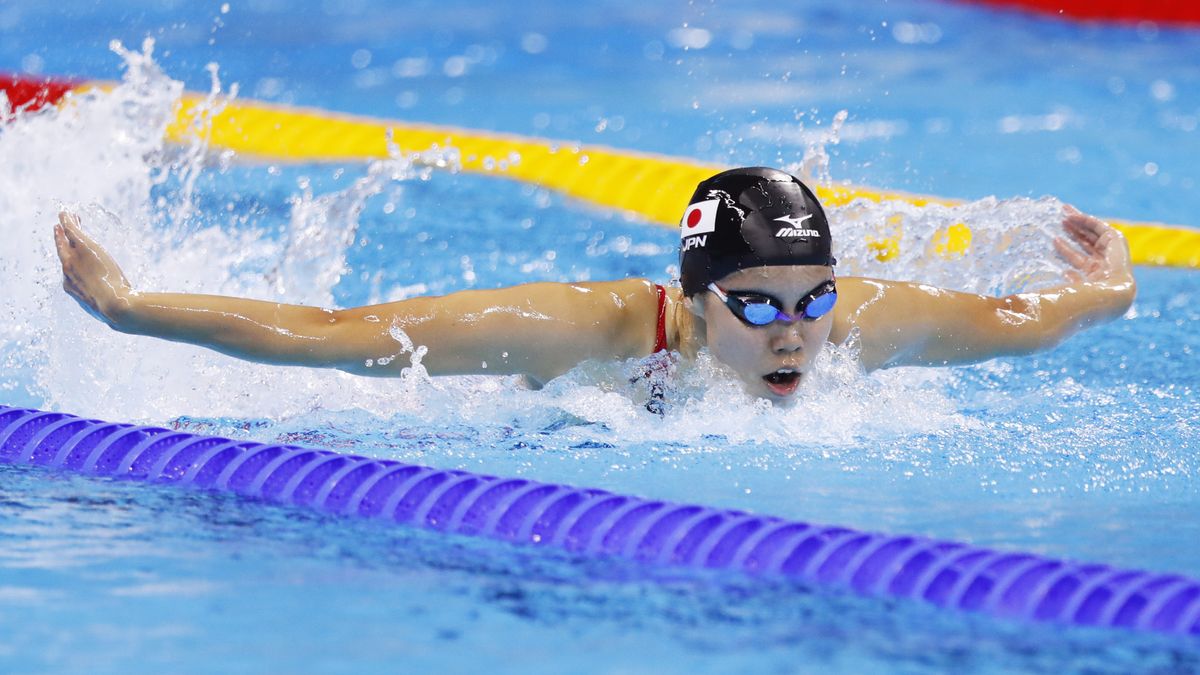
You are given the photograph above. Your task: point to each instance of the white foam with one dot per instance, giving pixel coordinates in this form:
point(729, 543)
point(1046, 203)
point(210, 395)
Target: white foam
point(103, 154)
point(839, 405)
point(1011, 247)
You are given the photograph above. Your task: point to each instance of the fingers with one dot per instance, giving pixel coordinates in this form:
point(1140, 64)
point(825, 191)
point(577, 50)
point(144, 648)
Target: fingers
point(1102, 251)
point(66, 238)
point(89, 274)
point(69, 225)
point(67, 219)
point(1092, 234)
point(69, 235)
point(64, 247)
point(1085, 223)
point(72, 229)
point(1073, 256)
point(1087, 238)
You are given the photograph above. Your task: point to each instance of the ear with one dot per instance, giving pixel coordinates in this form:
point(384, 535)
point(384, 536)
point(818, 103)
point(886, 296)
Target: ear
point(694, 304)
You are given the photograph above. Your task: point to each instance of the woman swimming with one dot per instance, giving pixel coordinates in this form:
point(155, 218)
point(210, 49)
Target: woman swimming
point(757, 289)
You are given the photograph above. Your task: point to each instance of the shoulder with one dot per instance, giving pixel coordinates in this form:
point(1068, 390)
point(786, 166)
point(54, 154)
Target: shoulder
point(621, 299)
point(634, 306)
point(623, 312)
point(621, 316)
point(883, 311)
point(610, 296)
point(858, 298)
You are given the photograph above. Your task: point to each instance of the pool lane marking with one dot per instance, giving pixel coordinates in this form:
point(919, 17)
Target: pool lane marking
point(651, 186)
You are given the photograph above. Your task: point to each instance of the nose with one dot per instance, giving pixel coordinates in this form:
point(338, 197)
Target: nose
point(787, 338)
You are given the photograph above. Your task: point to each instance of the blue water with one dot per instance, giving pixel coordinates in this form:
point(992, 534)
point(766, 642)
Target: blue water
point(1087, 451)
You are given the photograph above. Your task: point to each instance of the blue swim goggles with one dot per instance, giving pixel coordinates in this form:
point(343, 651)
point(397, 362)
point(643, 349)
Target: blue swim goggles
point(762, 310)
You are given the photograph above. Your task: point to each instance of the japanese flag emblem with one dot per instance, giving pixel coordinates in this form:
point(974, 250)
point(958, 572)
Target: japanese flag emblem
point(700, 218)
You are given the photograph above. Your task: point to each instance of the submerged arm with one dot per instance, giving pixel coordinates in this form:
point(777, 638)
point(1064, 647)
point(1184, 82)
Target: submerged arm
point(539, 330)
point(914, 324)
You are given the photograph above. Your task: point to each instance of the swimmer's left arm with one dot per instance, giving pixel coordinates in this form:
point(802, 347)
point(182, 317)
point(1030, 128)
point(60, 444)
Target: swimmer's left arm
point(913, 324)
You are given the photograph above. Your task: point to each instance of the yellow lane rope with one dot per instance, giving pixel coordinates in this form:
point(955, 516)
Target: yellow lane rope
point(655, 187)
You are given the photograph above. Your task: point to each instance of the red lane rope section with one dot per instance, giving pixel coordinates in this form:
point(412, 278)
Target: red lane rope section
point(32, 93)
point(1182, 12)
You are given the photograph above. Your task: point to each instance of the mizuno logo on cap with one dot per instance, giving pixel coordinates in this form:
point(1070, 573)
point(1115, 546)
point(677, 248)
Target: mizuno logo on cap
point(793, 220)
point(795, 230)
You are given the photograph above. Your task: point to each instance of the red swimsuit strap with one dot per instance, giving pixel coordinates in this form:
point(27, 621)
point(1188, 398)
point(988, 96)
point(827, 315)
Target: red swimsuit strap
point(660, 341)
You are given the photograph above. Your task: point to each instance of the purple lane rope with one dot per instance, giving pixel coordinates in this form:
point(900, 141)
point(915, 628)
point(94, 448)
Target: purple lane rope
point(945, 573)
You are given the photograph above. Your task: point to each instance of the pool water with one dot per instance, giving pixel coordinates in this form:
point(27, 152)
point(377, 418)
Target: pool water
point(1087, 451)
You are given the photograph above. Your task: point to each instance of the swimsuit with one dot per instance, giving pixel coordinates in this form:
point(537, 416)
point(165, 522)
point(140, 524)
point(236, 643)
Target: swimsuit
point(660, 340)
point(656, 368)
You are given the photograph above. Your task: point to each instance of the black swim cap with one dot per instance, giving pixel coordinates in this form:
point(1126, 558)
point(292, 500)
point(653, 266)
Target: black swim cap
point(751, 217)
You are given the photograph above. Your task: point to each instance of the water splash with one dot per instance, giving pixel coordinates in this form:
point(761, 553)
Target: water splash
point(73, 363)
point(105, 150)
point(187, 163)
point(1011, 243)
point(840, 405)
point(814, 167)
point(92, 150)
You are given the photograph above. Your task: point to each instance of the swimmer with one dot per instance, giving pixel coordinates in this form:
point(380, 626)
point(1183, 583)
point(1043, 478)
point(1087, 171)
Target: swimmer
point(757, 289)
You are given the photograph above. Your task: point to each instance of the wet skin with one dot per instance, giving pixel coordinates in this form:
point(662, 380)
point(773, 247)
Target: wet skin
point(770, 360)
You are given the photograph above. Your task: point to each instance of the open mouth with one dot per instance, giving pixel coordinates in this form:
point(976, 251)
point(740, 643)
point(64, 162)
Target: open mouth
point(782, 382)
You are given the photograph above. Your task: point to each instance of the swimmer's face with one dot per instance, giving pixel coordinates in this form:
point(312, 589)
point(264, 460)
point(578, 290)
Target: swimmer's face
point(770, 360)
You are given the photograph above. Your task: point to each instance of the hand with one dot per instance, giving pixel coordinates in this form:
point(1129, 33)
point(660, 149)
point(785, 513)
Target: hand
point(90, 275)
point(1104, 256)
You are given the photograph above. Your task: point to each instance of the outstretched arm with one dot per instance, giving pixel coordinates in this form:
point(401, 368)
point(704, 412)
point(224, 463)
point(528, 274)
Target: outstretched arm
point(913, 324)
point(539, 330)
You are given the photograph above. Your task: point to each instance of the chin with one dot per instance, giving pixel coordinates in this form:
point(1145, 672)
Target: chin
point(780, 401)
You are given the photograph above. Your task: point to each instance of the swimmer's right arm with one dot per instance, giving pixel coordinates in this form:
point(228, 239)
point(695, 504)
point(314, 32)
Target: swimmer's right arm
point(538, 330)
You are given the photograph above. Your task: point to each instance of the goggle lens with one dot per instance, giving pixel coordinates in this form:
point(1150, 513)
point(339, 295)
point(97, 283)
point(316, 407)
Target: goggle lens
point(820, 305)
point(760, 313)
